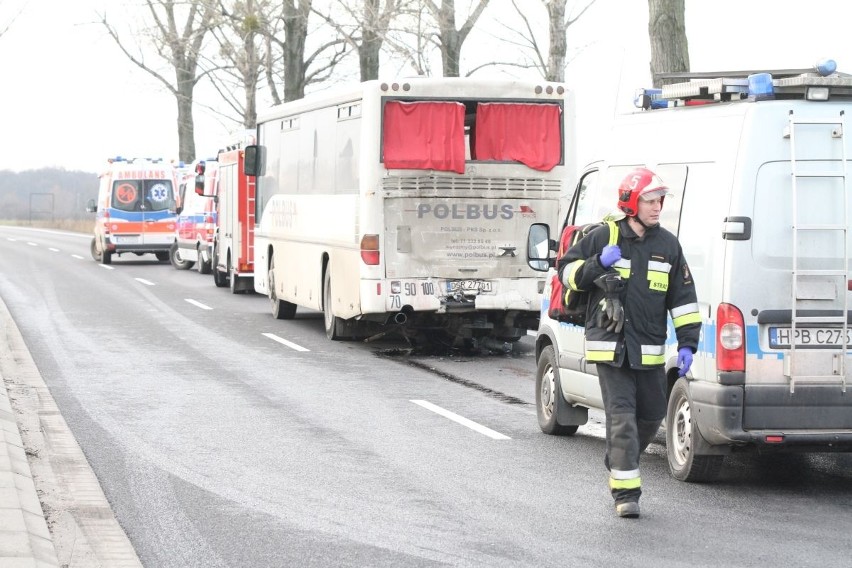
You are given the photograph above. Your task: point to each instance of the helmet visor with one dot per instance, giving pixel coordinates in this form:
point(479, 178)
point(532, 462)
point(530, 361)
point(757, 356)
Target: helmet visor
point(655, 193)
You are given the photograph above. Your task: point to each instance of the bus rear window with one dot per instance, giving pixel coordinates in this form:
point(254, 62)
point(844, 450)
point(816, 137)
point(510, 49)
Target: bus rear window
point(439, 135)
point(424, 136)
point(526, 133)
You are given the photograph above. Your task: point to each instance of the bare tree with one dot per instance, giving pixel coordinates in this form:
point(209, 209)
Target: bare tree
point(5, 27)
point(364, 30)
point(298, 70)
point(667, 31)
point(450, 38)
point(551, 64)
point(240, 39)
point(413, 37)
point(181, 47)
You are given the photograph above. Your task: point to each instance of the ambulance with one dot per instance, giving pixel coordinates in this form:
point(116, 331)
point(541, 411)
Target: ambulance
point(135, 209)
point(196, 217)
point(233, 241)
point(757, 164)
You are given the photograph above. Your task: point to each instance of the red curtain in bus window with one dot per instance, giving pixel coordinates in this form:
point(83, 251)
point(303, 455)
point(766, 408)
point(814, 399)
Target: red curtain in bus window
point(423, 136)
point(526, 133)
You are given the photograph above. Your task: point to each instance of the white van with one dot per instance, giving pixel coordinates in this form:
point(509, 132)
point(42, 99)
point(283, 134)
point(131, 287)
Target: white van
point(758, 169)
point(196, 219)
point(135, 209)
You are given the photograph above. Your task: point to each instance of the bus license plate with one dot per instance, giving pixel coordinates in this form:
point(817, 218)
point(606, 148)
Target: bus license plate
point(475, 286)
point(779, 337)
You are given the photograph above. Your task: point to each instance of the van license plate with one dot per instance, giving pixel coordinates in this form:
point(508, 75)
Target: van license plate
point(468, 286)
point(779, 337)
point(126, 239)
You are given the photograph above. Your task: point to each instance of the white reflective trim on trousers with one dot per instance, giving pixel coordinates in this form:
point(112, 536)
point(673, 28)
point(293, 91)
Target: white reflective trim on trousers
point(684, 309)
point(617, 474)
point(600, 345)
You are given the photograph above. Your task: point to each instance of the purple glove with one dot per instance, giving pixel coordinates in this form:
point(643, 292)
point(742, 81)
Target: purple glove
point(684, 360)
point(610, 255)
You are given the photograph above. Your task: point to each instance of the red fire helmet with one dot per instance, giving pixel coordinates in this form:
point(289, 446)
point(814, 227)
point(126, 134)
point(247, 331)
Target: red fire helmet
point(639, 183)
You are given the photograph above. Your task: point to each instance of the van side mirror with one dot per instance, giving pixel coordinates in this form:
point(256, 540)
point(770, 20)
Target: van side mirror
point(199, 185)
point(91, 207)
point(539, 247)
point(254, 160)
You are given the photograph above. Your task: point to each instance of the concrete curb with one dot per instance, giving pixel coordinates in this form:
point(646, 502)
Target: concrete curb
point(53, 511)
point(24, 536)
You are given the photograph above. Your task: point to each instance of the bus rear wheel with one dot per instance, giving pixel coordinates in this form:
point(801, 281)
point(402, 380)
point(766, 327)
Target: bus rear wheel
point(333, 324)
point(281, 309)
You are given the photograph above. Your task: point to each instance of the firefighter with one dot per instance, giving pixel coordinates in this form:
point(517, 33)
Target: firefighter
point(633, 285)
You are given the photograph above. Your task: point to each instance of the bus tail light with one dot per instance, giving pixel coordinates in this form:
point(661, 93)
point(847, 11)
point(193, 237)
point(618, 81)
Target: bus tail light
point(370, 249)
point(730, 338)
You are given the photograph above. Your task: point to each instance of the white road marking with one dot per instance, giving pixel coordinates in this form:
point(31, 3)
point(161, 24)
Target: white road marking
point(53, 249)
point(79, 257)
point(283, 341)
point(33, 244)
point(12, 239)
point(105, 267)
point(198, 304)
point(462, 420)
point(145, 282)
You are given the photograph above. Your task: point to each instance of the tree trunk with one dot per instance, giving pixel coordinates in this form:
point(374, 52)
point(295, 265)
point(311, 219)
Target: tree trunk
point(295, 34)
point(558, 45)
point(667, 32)
point(451, 38)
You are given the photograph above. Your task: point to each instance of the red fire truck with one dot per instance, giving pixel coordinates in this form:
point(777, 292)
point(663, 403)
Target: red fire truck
point(232, 249)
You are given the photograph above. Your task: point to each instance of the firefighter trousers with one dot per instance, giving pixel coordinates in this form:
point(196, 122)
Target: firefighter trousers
point(635, 405)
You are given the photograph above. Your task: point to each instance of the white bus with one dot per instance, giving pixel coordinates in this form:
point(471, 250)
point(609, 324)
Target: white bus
point(408, 204)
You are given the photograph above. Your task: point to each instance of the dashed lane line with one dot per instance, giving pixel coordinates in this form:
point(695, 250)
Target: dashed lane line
point(283, 341)
point(462, 420)
point(145, 282)
point(198, 304)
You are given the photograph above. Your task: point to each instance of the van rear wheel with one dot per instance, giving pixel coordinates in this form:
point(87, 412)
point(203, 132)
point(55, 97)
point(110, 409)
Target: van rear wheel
point(548, 395)
point(681, 433)
point(177, 258)
point(93, 249)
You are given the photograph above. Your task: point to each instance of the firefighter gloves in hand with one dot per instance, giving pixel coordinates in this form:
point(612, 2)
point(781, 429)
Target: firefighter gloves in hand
point(610, 255)
point(611, 315)
point(684, 360)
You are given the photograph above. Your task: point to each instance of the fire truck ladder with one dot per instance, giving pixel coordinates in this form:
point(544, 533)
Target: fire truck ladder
point(828, 364)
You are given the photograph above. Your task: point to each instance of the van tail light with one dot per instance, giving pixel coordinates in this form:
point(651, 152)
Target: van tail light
point(730, 338)
point(370, 249)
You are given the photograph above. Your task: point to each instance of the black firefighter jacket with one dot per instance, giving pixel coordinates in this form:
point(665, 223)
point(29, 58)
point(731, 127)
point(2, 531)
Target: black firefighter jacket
point(658, 281)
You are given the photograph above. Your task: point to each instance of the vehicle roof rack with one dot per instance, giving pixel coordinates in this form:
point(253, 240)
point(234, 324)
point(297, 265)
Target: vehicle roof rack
point(819, 83)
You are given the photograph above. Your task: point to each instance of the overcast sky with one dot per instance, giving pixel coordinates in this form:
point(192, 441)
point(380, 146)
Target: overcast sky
point(71, 99)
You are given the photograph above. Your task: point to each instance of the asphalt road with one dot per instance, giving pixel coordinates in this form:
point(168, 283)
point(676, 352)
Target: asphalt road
point(224, 437)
